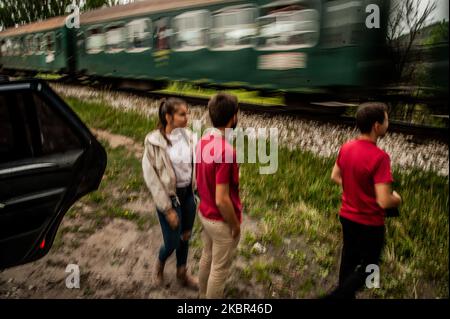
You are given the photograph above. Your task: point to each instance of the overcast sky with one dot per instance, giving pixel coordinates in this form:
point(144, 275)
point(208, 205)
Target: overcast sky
point(441, 12)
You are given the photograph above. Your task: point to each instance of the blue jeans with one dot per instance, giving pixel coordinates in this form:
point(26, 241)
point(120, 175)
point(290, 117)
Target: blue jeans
point(173, 237)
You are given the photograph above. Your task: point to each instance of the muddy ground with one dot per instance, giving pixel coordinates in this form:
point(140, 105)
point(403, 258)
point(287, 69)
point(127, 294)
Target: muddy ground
point(115, 256)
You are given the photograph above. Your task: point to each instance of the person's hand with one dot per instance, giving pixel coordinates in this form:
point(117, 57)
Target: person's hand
point(396, 195)
point(172, 218)
point(235, 230)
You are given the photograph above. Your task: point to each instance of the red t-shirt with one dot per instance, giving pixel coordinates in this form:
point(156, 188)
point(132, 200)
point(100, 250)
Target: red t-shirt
point(362, 165)
point(216, 164)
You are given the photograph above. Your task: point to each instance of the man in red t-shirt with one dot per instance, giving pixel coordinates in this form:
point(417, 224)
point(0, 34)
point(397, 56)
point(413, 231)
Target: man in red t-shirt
point(220, 210)
point(364, 172)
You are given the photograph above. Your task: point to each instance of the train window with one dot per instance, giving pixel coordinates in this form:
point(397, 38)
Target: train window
point(115, 38)
point(95, 40)
point(29, 44)
point(234, 28)
point(139, 35)
point(191, 30)
point(43, 44)
point(81, 44)
point(38, 44)
point(342, 24)
point(288, 27)
point(162, 34)
point(12, 48)
point(33, 47)
point(58, 42)
point(10, 45)
point(18, 50)
point(49, 42)
point(4, 47)
point(16, 47)
point(24, 46)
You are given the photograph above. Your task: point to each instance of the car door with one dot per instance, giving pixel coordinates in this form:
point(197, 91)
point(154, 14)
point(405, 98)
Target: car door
point(48, 160)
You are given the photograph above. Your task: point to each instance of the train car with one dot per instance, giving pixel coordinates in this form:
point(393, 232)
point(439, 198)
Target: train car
point(293, 45)
point(44, 46)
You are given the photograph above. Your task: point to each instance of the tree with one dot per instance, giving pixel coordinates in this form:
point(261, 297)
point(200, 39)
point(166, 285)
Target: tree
point(16, 12)
point(438, 34)
point(94, 4)
point(19, 12)
point(404, 25)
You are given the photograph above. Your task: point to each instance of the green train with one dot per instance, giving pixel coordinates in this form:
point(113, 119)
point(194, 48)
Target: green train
point(290, 45)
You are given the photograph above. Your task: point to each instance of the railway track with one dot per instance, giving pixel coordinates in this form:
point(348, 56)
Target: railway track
point(416, 131)
point(329, 113)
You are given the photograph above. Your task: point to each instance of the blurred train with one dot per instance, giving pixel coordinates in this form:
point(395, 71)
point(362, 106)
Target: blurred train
point(303, 46)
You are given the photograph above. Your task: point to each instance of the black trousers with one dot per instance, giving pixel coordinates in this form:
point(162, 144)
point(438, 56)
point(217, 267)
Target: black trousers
point(362, 246)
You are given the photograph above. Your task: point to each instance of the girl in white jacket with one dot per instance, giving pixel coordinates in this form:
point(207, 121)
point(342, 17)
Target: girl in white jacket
point(169, 174)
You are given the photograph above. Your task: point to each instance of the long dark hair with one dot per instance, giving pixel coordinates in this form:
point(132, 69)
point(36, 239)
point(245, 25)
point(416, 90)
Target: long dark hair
point(167, 106)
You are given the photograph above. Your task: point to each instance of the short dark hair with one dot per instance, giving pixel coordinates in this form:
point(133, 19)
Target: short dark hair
point(368, 114)
point(222, 107)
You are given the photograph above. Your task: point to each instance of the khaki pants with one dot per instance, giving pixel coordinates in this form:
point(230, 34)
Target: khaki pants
point(219, 248)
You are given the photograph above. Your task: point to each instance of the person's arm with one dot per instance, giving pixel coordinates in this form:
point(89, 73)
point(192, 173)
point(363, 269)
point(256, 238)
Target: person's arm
point(336, 175)
point(383, 185)
point(223, 202)
point(160, 197)
point(385, 197)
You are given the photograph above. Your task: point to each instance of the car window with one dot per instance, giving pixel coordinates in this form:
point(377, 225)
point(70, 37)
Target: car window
point(29, 128)
point(55, 135)
point(6, 131)
point(14, 138)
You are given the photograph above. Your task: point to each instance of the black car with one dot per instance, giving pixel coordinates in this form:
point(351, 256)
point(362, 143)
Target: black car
point(48, 160)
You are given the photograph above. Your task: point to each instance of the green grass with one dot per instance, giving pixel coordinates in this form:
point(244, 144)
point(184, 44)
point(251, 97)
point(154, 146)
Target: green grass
point(48, 76)
point(263, 270)
point(243, 95)
point(300, 203)
point(301, 200)
point(102, 116)
point(122, 182)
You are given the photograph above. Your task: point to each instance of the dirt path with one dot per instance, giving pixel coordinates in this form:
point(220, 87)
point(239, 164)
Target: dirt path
point(116, 259)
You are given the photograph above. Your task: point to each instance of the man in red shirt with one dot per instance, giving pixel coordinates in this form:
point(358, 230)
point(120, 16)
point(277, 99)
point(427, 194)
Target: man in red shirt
point(364, 172)
point(220, 210)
